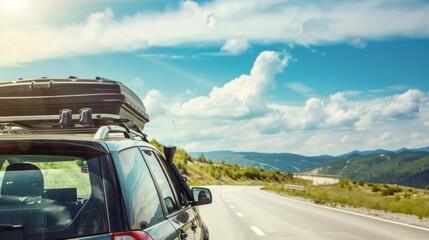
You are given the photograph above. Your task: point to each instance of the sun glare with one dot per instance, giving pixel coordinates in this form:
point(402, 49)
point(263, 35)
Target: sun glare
point(13, 5)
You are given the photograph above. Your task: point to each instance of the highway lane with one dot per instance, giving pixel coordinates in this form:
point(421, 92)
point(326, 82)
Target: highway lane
point(239, 212)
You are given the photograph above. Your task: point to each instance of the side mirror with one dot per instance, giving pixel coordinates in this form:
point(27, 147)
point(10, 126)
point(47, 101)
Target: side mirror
point(201, 196)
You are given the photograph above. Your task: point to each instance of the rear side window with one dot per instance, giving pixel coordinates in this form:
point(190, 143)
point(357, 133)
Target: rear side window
point(162, 180)
point(139, 191)
point(50, 197)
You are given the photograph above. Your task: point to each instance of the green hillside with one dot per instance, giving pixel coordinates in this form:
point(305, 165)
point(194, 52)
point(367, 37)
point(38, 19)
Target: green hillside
point(285, 162)
point(404, 168)
point(203, 171)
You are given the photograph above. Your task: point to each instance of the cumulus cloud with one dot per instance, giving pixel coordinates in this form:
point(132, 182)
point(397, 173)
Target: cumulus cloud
point(154, 103)
point(241, 97)
point(337, 112)
point(235, 45)
point(405, 105)
point(214, 22)
point(322, 125)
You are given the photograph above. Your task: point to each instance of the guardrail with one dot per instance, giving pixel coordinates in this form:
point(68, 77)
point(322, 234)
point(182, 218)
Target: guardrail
point(319, 179)
point(316, 175)
point(295, 187)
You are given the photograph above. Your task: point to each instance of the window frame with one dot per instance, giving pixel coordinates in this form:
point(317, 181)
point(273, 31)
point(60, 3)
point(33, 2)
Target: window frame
point(121, 189)
point(171, 180)
point(175, 185)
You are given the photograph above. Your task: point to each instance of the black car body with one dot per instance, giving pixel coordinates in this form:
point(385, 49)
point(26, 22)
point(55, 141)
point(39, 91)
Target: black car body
point(76, 187)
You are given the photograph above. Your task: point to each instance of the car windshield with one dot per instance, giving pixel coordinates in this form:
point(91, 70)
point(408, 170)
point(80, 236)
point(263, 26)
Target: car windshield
point(50, 197)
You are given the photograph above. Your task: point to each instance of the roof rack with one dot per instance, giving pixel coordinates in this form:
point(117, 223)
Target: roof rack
point(104, 131)
point(69, 105)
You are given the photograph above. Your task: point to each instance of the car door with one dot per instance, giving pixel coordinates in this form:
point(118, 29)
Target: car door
point(142, 199)
point(179, 213)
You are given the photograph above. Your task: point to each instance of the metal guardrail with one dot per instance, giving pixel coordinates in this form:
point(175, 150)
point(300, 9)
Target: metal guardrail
point(295, 187)
point(317, 175)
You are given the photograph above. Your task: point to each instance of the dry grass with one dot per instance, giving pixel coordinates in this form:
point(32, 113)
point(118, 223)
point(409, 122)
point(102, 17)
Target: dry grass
point(388, 198)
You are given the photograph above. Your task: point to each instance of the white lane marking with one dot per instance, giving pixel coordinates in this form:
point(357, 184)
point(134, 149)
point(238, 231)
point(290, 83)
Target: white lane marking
point(344, 211)
point(257, 231)
point(231, 206)
point(240, 214)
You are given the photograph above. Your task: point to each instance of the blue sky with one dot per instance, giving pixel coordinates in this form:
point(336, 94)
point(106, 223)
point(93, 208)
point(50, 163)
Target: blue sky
point(306, 77)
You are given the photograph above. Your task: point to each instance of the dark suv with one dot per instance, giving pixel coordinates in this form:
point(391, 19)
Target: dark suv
point(111, 185)
point(59, 186)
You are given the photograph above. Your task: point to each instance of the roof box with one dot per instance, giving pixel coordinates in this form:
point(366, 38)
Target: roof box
point(50, 103)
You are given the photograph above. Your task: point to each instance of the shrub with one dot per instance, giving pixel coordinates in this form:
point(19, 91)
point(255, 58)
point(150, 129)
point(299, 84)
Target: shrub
point(375, 188)
point(389, 191)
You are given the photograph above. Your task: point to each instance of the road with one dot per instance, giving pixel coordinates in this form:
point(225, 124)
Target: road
point(239, 212)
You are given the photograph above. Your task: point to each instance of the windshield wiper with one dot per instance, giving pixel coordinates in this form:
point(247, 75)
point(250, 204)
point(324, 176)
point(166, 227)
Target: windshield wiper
point(6, 227)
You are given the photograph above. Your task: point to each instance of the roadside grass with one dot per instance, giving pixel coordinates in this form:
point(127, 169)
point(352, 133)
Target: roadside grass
point(389, 198)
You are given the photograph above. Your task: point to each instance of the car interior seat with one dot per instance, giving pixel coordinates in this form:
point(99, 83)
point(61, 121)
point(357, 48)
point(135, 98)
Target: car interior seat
point(21, 180)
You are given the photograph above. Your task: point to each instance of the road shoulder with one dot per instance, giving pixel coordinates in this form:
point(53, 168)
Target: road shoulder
point(394, 217)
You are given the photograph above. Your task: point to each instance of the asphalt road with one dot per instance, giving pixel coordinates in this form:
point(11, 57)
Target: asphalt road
point(248, 213)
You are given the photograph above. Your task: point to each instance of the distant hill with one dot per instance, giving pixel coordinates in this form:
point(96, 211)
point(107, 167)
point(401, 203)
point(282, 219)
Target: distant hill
point(408, 167)
point(285, 162)
point(382, 151)
point(404, 167)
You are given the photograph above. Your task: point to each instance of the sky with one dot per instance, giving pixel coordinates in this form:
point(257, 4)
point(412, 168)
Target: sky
point(305, 77)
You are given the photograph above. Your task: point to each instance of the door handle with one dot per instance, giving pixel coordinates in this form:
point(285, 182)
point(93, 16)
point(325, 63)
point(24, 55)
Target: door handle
point(183, 235)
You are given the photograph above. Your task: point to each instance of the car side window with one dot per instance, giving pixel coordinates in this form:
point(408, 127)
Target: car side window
point(142, 201)
point(162, 180)
point(180, 194)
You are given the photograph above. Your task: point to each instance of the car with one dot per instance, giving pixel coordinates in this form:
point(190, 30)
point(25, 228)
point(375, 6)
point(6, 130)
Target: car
point(98, 181)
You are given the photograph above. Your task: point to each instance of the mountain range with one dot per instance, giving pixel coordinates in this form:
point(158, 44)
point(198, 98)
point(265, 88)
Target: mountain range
point(404, 166)
point(286, 162)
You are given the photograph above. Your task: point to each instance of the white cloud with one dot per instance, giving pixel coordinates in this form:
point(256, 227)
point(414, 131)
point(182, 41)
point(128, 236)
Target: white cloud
point(405, 105)
point(136, 83)
point(210, 19)
point(386, 137)
point(299, 87)
point(417, 136)
point(154, 104)
point(352, 93)
point(242, 96)
point(358, 43)
point(239, 116)
point(337, 112)
point(235, 45)
point(345, 138)
point(29, 37)
point(389, 89)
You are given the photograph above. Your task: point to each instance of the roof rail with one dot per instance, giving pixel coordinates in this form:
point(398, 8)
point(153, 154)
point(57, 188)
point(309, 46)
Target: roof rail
point(103, 132)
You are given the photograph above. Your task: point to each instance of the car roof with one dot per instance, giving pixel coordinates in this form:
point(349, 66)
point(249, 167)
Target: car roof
point(87, 137)
point(112, 144)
